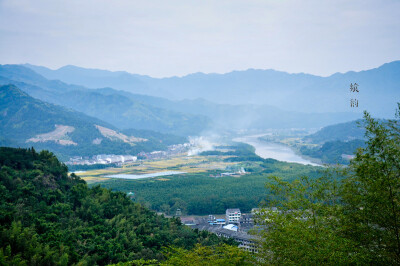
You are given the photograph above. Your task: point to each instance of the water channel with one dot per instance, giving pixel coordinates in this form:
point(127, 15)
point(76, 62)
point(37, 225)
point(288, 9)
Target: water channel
point(129, 176)
point(273, 150)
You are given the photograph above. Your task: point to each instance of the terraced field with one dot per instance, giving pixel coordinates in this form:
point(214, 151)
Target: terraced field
point(182, 163)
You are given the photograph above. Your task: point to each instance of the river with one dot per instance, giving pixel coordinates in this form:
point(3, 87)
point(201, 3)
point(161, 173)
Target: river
point(273, 150)
point(129, 176)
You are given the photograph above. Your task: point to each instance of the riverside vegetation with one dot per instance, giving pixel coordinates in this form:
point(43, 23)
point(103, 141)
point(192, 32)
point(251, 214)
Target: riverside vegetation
point(207, 192)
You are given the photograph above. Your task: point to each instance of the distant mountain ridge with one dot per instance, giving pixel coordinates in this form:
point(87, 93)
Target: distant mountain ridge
point(379, 87)
point(112, 107)
point(185, 117)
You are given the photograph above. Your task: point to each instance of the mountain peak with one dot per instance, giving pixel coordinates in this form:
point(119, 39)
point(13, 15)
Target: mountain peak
point(11, 90)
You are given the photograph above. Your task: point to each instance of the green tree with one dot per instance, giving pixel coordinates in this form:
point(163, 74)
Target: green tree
point(202, 255)
point(350, 216)
point(302, 224)
point(165, 208)
point(371, 193)
point(50, 218)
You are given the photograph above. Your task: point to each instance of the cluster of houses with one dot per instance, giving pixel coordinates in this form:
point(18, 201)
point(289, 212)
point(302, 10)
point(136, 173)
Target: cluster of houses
point(238, 172)
point(348, 156)
point(121, 159)
point(235, 225)
point(101, 159)
point(172, 150)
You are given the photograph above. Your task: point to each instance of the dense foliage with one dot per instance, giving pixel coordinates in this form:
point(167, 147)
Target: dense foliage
point(48, 218)
point(239, 152)
point(301, 226)
point(349, 216)
point(86, 167)
point(220, 255)
point(371, 193)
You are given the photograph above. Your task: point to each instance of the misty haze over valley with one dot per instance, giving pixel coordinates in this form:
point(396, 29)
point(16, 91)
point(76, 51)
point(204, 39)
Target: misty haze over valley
point(208, 105)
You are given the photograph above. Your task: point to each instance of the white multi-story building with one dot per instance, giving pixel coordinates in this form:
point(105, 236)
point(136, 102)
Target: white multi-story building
point(232, 216)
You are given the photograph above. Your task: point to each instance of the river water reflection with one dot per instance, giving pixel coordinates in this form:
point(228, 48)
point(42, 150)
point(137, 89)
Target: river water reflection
point(129, 176)
point(275, 151)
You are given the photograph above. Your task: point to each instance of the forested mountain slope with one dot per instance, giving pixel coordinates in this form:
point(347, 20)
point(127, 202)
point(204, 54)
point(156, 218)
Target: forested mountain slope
point(50, 218)
point(343, 132)
point(26, 121)
point(336, 143)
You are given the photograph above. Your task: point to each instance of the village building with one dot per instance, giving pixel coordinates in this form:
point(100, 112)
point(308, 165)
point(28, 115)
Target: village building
point(232, 216)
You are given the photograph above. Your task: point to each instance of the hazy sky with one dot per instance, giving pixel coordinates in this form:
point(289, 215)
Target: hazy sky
point(165, 38)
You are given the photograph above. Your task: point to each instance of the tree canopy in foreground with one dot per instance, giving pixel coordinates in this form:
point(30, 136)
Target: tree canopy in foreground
point(349, 216)
point(50, 218)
